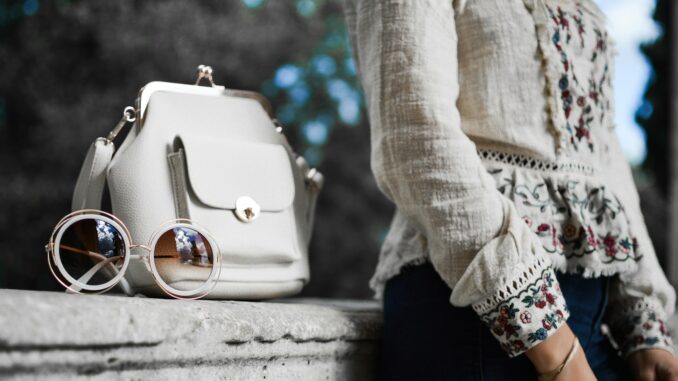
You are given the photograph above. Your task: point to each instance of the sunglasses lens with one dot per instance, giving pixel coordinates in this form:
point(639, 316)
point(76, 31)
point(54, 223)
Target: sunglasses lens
point(89, 253)
point(185, 261)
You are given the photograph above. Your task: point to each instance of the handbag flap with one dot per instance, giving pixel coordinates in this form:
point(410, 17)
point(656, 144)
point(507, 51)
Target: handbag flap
point(220, 171)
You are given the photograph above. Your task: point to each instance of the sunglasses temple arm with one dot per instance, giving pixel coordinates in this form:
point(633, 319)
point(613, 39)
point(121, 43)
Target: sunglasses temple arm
point(125, 287)
point(89, 274)
point(123, 284)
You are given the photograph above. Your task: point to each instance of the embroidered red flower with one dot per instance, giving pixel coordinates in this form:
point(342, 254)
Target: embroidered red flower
point(582, 132)
point(609, 240)
point(562, 20)
point(550, 298)
point(610, 243)
point(510, 330)
point(570, 231)
point(594, 95)
point(518, 344)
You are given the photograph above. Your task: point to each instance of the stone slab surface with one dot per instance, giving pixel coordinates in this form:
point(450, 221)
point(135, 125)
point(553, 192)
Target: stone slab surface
point(49, 335)
point(55, 336)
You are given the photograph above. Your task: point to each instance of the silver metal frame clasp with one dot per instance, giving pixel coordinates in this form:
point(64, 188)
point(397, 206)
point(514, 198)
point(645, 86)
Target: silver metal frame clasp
point(129, 115)
point(205, 72)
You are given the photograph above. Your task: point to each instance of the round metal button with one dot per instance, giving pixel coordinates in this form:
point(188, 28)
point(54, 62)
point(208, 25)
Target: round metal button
point(246, 209)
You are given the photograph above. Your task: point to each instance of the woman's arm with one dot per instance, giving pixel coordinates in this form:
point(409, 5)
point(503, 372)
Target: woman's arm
point(406, 55)
point(640, 302)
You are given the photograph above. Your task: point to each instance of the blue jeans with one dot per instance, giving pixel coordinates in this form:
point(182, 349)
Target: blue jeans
point(427, 338)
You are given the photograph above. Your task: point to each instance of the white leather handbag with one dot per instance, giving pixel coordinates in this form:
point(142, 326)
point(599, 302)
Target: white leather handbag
point(217, 157)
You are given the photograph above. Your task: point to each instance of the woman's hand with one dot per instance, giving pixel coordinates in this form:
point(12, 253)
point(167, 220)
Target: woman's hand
point(550, 353)
point(653, 365)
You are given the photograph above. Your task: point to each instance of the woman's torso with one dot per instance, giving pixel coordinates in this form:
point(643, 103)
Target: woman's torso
point(535, 96)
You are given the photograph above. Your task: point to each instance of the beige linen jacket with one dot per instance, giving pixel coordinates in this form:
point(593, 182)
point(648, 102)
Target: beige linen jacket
point(492, 132)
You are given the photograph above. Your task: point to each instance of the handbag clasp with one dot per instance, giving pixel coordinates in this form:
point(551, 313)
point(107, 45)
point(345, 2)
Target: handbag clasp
point(246, 209)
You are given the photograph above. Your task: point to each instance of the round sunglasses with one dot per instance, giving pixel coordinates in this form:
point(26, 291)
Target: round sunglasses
point(90, 250)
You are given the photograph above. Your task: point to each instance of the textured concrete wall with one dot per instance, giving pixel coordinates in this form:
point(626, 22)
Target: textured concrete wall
point(50, 335)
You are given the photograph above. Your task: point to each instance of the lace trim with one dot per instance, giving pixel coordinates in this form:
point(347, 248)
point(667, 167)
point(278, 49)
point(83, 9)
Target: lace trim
point(529, 276)
point(533, 311)
point(532, 163)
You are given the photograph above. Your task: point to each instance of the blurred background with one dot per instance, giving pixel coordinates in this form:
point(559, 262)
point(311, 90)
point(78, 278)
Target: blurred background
point(69, 67)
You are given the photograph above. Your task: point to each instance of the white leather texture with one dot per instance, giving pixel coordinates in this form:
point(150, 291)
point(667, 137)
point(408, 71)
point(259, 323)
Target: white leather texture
point(232, 150)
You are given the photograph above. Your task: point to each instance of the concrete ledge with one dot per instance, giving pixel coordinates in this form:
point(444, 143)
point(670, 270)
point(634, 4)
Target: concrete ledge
point(51, 335)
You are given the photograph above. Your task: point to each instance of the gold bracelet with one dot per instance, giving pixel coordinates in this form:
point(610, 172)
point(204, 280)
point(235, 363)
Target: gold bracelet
point(551, 375)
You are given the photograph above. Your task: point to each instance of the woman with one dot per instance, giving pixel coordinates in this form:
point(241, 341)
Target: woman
point(518, 231)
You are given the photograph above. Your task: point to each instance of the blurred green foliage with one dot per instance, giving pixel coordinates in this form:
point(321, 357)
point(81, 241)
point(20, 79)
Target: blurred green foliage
point(318, 92)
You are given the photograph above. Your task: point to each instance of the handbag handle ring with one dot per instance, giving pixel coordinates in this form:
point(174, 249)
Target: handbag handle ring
point(205, 71)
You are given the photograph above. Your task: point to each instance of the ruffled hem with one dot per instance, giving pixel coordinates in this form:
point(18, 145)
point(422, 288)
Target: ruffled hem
point(579, 220)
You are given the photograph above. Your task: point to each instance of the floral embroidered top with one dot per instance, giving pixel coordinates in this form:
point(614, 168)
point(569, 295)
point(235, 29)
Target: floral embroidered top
point(492, 132)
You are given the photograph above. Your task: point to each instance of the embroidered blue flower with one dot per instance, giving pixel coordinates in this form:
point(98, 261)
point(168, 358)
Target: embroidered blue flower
point(538, 335)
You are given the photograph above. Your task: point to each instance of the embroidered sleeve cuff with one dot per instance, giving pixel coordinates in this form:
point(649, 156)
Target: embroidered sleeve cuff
point(527, 310)
point(640, 325)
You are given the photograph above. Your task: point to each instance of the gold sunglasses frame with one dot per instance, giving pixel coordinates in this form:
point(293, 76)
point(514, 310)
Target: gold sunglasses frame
point(54, 259)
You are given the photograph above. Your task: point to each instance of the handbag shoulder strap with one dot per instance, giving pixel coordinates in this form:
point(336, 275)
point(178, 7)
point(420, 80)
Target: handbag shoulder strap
point(89, 187)
point(92, 178)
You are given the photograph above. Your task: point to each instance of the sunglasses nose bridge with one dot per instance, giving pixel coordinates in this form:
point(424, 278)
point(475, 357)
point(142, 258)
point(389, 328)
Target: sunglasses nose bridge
point(140, 247)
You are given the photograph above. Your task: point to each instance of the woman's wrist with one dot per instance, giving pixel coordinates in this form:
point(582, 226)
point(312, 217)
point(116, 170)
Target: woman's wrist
point(550, 353)
point(553, 352)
